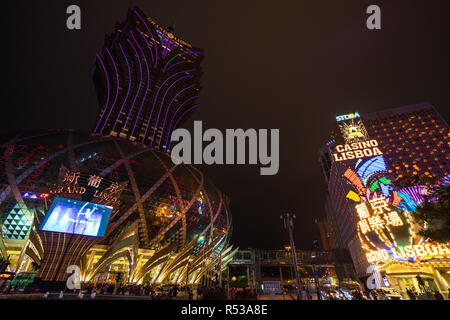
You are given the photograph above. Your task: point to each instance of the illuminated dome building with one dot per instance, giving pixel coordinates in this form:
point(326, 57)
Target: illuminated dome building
point(164, 217)
point(113, 203)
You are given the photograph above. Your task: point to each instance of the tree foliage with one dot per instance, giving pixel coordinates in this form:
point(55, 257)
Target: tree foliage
point(434, 214)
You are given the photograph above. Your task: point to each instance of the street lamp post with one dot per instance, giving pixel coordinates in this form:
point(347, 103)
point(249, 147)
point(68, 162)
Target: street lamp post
point(288, 220)
point(316, 272)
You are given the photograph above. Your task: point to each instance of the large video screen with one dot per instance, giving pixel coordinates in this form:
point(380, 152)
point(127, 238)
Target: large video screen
point(78, 217)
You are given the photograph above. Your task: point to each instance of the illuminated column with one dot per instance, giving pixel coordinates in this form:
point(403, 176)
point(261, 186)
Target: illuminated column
point(378, 279)
point(416, 284)
point(440, 282)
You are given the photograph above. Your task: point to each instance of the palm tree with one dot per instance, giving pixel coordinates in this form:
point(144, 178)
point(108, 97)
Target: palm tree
point(434, 214)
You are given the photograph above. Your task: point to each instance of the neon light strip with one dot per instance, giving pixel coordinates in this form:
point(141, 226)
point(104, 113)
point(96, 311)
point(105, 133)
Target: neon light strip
point(168, 108)
point(148, 45)
point(367, 240)
point(146, 26)
point(370, 167)
point(107, 96)
point(156, 97)
point(171, 121)
point(397, 199)
point(182, 53)
point(117, 89)
point(353, 178)
point(148, 84)
point(162, 102)
point(164, 44)
point(139, 88)
point(184, 61)
point(129, 86)
point(194, 106)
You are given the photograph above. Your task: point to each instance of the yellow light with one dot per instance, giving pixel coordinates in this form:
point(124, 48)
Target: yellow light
point(13, 252)
point(353, 196)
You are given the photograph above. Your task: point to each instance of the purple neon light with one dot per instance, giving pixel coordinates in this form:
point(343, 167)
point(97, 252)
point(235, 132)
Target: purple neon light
point(164, 44)
point(148, 45)
point(184, 61)
point(139, 88)
point(173, 117)
point(148, 84)
point(194, 106)
point(162, 102)
point(167, 43)
point(129, 86)
point(182, 53)
point(107, 96)
point(156, 97)
point(146, 26)
point(117, 90)
point(415, 192)
point(168, 108)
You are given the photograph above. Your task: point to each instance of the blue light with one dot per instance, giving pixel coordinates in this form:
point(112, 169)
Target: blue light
point(407, 202)
point(369, 167)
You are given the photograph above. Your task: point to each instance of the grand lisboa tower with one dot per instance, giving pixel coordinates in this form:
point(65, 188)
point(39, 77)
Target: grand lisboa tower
point(112, 205)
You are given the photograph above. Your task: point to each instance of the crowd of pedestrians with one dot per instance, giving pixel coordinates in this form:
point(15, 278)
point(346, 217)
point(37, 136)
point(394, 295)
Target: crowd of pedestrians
point(431, 295)
point(168, 292)
point(171, 292)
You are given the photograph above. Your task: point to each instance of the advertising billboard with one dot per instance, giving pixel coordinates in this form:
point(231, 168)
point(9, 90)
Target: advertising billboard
point(77, 217)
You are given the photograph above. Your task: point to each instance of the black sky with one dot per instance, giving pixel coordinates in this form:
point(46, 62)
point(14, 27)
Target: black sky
point(292, 65)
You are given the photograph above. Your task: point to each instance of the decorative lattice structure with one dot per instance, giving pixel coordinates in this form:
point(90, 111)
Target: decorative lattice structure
point(163, 216)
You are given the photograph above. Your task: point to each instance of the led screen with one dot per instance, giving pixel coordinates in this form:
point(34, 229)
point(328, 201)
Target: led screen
point(77, 217)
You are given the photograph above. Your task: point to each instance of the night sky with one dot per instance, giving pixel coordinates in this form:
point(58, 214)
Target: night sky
point(292, 65)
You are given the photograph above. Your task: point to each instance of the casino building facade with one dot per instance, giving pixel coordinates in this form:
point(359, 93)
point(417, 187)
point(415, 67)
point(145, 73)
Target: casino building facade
point(168, 223)
point(112, 206)
point(378, 168)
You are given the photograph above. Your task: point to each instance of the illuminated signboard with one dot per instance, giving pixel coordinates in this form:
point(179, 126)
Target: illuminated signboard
point(77, 217)
point(379, 217)
point(418, 252)
point(353, 131)
point(357, 141)
point(97, 186)
point(356, 150)
point(347, 116)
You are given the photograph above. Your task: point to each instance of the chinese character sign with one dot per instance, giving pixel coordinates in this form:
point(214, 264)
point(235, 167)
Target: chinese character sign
point(378, 216)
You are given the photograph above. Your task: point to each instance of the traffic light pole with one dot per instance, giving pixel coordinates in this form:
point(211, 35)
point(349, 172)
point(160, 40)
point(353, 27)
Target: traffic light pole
point(288, 224)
